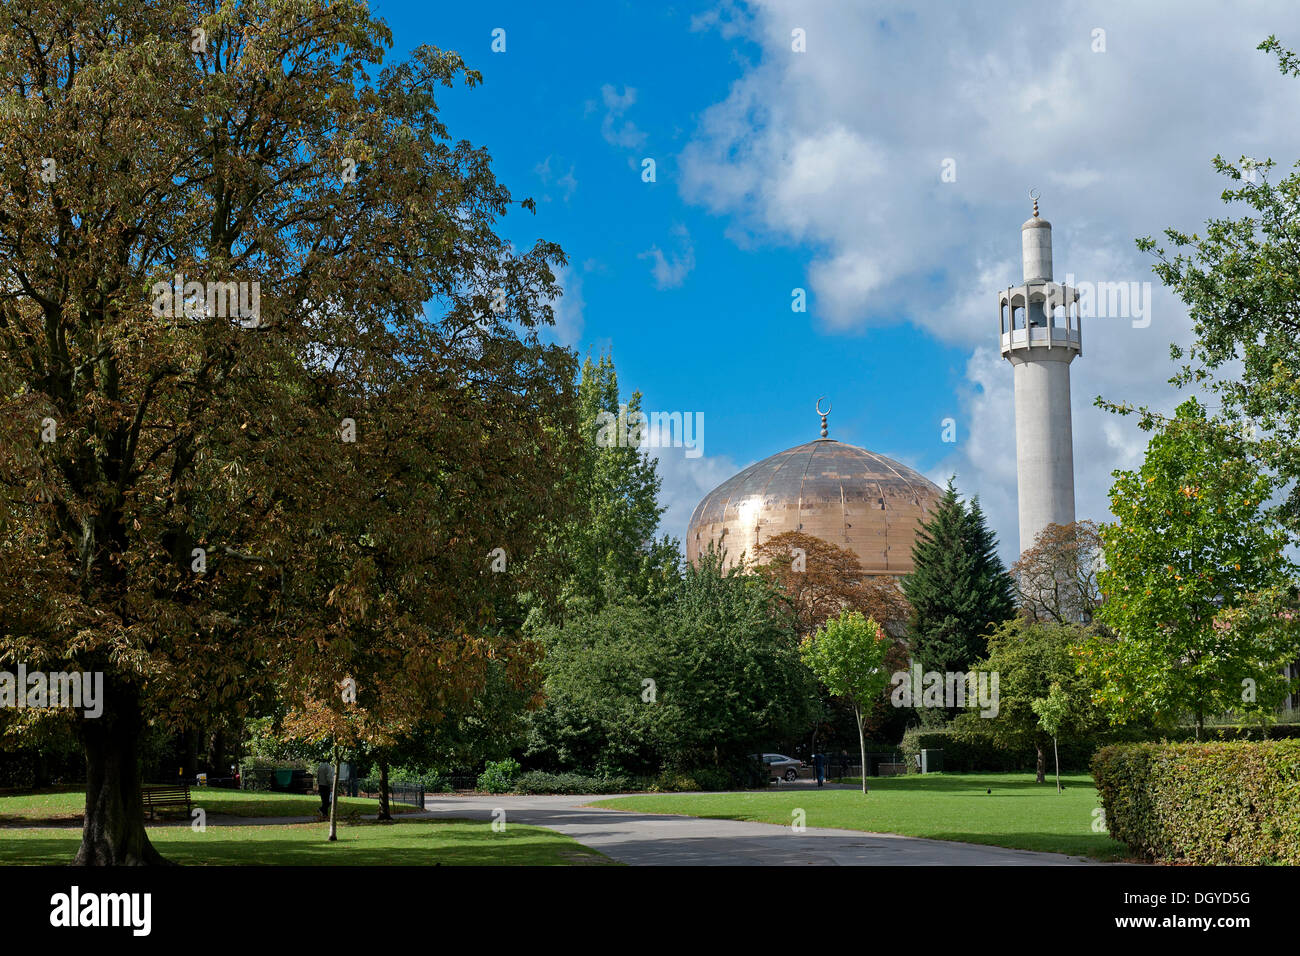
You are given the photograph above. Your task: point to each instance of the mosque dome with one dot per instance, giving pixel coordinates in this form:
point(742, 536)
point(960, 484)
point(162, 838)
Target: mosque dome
point(843, 494)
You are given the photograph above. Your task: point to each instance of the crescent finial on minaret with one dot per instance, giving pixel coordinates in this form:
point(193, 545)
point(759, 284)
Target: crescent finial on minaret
point(823, 414)
point(1034, 194)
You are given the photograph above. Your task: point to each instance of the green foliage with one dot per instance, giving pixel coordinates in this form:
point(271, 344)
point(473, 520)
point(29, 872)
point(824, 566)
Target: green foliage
point(1215, 804)
point(608, 549)
point(847, 655)
point(1030, 659)
point(1054, 711)
point(707, 676)
point(1191, 546)
point(958, 589)
point(968, 749)
point(498, 776)
point(538, 781)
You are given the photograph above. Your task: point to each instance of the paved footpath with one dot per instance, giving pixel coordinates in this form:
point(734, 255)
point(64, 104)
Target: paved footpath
point(659, 840)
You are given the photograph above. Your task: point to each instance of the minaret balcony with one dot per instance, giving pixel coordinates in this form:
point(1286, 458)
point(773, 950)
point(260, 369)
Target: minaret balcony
point(1042, 337)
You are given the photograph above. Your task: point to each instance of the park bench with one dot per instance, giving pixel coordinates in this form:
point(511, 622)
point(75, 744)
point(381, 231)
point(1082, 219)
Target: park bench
point(166, 796)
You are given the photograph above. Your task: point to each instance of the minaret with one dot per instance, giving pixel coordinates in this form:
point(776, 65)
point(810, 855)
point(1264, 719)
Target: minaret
point(1040, 336)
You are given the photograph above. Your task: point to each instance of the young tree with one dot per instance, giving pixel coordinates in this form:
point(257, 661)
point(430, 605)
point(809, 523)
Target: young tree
point(1191, 540)
point(1056, 579)
point(821, 580)
point(173, 463)
point(848, 656)
point(1053, 715)
point(1029, 658)
point(959, 589)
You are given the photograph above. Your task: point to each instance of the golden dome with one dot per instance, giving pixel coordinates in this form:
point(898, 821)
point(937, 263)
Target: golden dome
point(840, 493)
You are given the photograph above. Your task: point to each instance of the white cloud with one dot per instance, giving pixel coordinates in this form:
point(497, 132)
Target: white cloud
point(617, 130)
point(671, 271)
point(842, 148)
point(566, 182)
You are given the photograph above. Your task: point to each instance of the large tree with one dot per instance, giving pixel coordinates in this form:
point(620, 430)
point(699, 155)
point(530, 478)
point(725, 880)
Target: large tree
point(958, 589)
point(700, 679)
point(176, 472)
point(1191, 541)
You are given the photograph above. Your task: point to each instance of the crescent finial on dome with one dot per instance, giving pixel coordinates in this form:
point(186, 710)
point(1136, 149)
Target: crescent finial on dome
point(823, 414)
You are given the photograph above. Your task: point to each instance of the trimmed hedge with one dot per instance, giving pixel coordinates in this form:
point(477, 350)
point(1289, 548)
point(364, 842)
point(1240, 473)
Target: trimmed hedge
point(538, 781)
point(1207, 803)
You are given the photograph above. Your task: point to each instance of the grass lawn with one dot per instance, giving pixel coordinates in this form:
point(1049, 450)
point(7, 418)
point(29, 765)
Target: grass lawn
point(67, 806)
point(409, 843)
point(1018, 813)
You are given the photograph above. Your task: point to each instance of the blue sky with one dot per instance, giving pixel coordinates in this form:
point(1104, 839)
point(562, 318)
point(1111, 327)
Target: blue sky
point(823, 170)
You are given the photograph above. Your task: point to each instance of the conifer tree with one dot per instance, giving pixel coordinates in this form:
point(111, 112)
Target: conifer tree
point(959, 589)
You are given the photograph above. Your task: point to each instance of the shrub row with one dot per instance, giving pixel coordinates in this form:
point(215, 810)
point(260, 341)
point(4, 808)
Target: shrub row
point(966, 751)
point(969, 752)
point(1207, 803)
point(539, 781)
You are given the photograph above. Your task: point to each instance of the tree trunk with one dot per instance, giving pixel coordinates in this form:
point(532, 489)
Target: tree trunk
point(1042, 762)
point(862, 745)
point(189, 755)
point(1056, 754)
point(334, 799)
point(113, 833)
point(384, 813)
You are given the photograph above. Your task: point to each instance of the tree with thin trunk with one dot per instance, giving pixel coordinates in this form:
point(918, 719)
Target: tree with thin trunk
point(847, 654)
point(1053, 715)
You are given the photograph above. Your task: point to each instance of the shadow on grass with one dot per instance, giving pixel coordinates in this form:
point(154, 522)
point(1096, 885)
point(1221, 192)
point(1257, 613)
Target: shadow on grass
point(400, 844)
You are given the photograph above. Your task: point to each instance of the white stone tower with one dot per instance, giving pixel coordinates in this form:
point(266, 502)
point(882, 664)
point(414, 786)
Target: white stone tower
point(1040, 336)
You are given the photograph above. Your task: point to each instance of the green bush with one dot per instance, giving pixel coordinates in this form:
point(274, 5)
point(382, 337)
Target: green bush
point(538, 781)
point(673, 781)
point(741, 775)
point(1207, 803)
point(498, 775)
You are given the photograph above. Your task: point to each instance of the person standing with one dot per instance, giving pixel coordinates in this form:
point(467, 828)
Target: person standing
point(324, 783)
point(819, 761)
